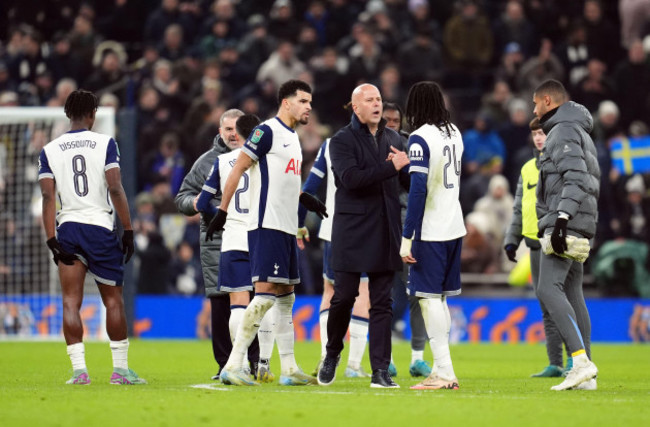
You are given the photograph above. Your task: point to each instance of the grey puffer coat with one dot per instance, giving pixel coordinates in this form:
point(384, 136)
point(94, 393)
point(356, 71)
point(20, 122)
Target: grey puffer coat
point(569, 179)
point(184, 200)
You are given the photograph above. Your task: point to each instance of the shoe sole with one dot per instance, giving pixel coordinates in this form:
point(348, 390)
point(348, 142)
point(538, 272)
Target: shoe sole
point(290, 382)
point(586, 377)
point(453, 386)
point(323, 383)
point(237, 381)
point(372, 385)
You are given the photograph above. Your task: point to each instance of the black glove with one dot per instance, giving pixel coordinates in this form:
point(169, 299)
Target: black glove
point(127, 245)
point(311, 203)
point(558, 237)
point(216, 224)
point(59, 254)
point(206, 218)
point(511, 252)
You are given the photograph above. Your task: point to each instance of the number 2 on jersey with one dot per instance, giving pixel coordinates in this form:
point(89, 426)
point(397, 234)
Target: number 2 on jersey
point(447, 151)
point(240, 191)
point(80, 178)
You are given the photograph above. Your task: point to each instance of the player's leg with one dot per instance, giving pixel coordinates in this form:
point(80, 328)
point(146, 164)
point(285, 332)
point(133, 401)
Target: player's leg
point(419, 367)
point(432, 283)
point(359, 331)
point(328, 293)
point(72, 284)
point(266, 337)
point(380, 287)
point(553, 338)
point(219, 318)
point(554, 271)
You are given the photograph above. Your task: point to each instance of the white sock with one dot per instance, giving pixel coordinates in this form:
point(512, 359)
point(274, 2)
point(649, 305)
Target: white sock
point(322, 320)
point(77, 356)
point(266, 334)
point(358, 340)
point(416, 355)
point(120, 351)
point(580, 359)
point(248, 327)
point(437, 326)
point(236, 315)
point(284, 333)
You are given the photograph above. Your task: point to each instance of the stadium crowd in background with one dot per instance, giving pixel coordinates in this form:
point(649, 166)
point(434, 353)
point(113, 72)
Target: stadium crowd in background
point(181, 64)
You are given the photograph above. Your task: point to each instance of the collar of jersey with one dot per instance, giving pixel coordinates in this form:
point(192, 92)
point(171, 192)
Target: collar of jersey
point(283, 124)
point(77, 131)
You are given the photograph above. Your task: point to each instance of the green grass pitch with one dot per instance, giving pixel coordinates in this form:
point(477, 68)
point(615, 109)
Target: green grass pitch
point(495, 390)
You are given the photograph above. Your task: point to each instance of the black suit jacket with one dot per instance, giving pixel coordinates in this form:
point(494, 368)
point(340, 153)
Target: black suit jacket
point(367, 225)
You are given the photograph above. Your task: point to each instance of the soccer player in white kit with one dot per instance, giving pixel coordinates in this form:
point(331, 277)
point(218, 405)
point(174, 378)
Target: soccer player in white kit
point(274, 156)
point(434, 227)
point(235, 272)
point(82, 168)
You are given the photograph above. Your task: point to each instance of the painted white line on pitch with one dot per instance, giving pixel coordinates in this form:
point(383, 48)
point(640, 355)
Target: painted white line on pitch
point(266, 389)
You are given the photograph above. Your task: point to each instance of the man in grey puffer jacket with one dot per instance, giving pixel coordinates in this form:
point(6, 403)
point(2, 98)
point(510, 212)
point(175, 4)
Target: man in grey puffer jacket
point(567, 196)
point(186, 203)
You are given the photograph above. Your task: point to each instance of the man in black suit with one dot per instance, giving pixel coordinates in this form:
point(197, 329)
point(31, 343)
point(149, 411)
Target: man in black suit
point(366, 160)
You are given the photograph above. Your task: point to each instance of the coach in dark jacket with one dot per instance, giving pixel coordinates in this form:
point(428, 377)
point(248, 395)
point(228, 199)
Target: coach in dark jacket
point(186, 203)
point(366, 159)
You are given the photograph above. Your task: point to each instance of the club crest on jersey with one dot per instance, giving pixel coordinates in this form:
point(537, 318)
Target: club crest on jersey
point(293, 166)
point(257, 135)
point(415, 153)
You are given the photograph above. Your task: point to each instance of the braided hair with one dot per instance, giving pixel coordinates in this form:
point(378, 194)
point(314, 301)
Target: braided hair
point(80, 104)
point(426, 105)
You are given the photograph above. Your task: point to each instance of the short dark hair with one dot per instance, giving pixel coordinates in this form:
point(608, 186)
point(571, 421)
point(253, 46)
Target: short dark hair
point(554, 89)
point(80, 104)
point(426, 105)
point(246, 123)
point(393, 106)
point(290, 88)
point(535, 124)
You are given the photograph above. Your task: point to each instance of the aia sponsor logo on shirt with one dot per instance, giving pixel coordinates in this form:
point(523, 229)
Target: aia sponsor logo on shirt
point(294, 166)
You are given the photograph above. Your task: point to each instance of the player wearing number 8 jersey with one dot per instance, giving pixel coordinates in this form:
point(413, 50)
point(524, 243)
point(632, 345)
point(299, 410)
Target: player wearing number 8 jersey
point(433, 229)
point(82, 168)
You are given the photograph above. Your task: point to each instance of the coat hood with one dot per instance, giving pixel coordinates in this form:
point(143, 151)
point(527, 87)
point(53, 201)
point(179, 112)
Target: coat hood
point(570, 112)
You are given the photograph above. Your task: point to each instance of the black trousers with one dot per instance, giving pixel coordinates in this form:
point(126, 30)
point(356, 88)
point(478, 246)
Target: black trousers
point(346, 289)
point(221, 343)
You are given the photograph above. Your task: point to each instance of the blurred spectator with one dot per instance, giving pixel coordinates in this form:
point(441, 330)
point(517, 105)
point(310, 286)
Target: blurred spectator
point(218, 37)
point(257, 45)
point(29, 60)
point(574, 53)
point(510, 65)
point(381, 25)
point(515, 134)
point(317, 17)
point(420, 58)
point(153, 277)
point(366, 57)
point(82, 45)
point(282, 24)
point(483, 145)
point(307, 46)
point(224, 11)
point(419, 19)
point(513, 27)
point(6, 84)
point(185, 271)
point(108, 76)
point(342, 15)
point(62, 62)
point(538, 69)
point(331, 88)
point(311, 137)
point(477, 254)
point(282, 65)
point(595, 87)
point(634, 14)
point(172, 47)
point(167, 164)
point(389, 84)
point(167, 14)
point(634, 217)
point(632, 77)
point(468, 40)
point(122, 21)
point(495, 103)
point(602, 38)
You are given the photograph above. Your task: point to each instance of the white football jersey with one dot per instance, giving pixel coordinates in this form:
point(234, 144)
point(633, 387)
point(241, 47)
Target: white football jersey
point(235, 231)
point(432, 152)
point(275, 176)
point(323, 169)
point(77, 161)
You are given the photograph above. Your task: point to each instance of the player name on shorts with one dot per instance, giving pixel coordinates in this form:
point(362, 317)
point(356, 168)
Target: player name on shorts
point(84, 143)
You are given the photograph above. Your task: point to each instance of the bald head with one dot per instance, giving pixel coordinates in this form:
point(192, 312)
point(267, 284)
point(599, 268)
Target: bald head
point(367, 105)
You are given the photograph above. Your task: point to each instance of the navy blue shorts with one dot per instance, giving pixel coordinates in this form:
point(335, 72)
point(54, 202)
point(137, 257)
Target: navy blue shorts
point(437, 271)
point(98, 248)
point(234, 272)
point(273, 256)
point(328, 271)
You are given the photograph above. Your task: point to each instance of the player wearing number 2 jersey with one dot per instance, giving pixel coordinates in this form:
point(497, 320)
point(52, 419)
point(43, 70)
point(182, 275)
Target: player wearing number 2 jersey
point(82, 168)
point(433, 229)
